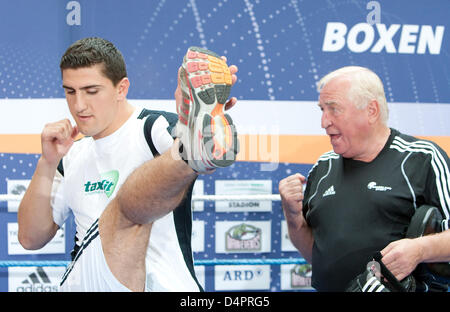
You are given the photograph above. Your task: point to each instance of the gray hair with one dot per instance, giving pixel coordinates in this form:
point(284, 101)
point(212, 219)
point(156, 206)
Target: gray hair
point(365, 86)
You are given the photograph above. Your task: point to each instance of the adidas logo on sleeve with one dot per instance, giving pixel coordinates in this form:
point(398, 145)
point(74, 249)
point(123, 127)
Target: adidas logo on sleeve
point(329, 191)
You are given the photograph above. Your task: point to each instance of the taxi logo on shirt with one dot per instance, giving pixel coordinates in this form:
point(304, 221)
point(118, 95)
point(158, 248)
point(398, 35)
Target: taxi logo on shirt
point(106, 185)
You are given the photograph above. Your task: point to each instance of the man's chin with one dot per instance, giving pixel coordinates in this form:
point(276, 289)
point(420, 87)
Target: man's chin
point(338, 150)
point(86, 132)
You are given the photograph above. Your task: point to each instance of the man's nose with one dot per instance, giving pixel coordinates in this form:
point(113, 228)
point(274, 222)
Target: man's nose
point(79, 103)
point(325, 121)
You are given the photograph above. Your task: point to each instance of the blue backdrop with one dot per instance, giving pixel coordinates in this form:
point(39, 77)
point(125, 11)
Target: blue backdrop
point(281, 48)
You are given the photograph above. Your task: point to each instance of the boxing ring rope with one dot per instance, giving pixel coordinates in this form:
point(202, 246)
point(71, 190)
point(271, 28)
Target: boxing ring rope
point(259, 197)
point(12, 263)
point(213, 262)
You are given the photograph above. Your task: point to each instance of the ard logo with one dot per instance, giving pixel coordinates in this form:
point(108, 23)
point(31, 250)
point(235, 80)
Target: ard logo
point(243, 237)
point(301, 276)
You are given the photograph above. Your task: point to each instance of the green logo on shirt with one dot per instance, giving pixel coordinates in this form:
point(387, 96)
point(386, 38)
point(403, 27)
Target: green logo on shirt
point(106, 185)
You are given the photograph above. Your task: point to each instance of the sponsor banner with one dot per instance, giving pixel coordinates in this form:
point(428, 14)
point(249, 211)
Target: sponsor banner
point(34, 279)
point(200, 274)
point(286, 244)
point(243, 187)
point(56, 246)
point(241, 277)
point(415, 118)
point(198, 189)
point(278, 139)
point(295, 277)
point(198, 236)
point(16, 187)
point(243, 236)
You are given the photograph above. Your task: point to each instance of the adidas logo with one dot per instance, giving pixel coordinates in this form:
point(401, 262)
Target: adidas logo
point(37, 281)
point(329, 192)
point(373, 285)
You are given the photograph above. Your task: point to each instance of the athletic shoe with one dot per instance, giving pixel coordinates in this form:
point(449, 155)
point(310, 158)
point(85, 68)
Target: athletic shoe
point(208, 135)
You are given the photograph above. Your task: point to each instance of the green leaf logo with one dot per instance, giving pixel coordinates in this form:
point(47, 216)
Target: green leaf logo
point(112, 177)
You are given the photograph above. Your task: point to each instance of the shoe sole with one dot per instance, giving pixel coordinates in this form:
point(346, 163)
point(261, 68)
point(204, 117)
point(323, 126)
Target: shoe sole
point(209, 81)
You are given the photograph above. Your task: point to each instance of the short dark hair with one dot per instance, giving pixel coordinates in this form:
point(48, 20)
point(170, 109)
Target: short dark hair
point(88, 52)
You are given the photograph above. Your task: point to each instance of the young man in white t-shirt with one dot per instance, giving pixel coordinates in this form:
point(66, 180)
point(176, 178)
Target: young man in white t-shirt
point(86, 176)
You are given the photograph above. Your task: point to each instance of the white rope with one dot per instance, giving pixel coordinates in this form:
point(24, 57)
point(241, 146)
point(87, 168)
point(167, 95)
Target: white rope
point(260, 197)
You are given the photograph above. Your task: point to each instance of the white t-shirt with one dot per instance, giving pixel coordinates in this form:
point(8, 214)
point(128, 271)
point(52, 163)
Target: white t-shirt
point(93, 171)
point(89, 271)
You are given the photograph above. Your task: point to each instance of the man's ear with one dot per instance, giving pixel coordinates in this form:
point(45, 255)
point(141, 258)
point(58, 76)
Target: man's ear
point(122, 88)
point(373, 111)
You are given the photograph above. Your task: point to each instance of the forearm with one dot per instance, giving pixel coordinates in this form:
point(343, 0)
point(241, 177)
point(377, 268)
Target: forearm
point(35, 219)
point(300, 234)
point(436, 247)
point(155, 188)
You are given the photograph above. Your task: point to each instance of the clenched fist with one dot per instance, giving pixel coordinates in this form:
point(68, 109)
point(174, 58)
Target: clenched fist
point(291, 191)
point(56, 140)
